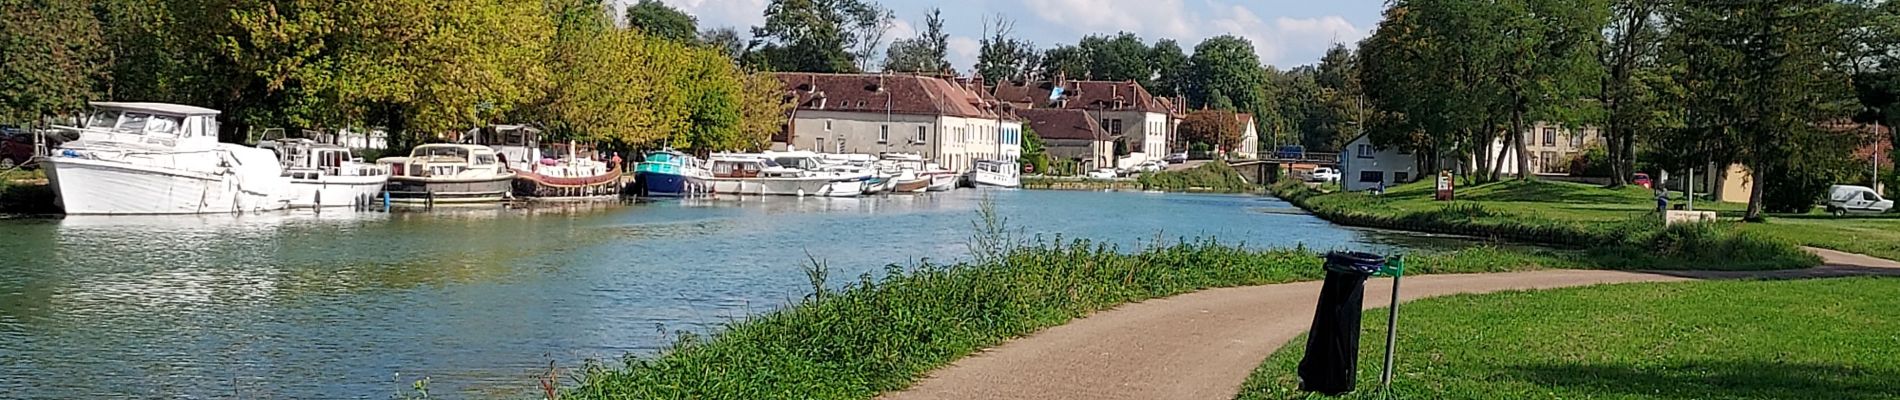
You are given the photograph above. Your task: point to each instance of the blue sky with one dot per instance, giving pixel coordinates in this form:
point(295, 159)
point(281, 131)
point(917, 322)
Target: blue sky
point(1286, 33)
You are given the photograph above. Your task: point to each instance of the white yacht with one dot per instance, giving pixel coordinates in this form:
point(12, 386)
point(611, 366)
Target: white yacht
point(847, 181)
point(448, 173)
point(327, 175)
point(156, 158)
point(906, 172)
point(991, 173)
point(751, 174)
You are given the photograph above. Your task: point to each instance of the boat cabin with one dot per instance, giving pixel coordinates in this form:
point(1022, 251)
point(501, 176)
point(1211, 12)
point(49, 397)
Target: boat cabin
point(308, 159)
point(751, 167)
point(996, 167)
point(445, 160)
point(151, 124)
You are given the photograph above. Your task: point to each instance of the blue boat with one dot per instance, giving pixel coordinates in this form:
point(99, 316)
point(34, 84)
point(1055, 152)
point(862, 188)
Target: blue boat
point(669, 173)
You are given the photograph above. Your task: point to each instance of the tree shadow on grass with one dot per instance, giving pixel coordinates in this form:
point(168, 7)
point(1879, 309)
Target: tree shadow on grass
point(1551, 193)
point(1746, 380)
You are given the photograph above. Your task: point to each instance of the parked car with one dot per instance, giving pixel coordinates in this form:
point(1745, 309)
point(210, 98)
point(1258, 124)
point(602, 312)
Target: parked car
point(1641, 179)
point(1104, 173)
point(1177, 158)
point(16, 148)
point(1845, 199)
point(1325, 174)
point(1150, 166)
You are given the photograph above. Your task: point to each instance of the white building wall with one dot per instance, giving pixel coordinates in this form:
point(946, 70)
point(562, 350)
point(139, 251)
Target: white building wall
point(1364, 167)
point(1249, 141)
point(864, 133)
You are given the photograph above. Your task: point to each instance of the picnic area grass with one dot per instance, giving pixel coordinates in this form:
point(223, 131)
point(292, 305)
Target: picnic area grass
point(1558, 202)
point(1616, 224)
point(1799, 339)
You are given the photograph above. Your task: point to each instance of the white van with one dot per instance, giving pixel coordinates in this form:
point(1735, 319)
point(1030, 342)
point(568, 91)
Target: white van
point(1845, 199)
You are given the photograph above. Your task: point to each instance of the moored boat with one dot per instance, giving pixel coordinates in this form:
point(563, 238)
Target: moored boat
point(560, 170)
point(327, 175)
point(669, 173)
point(751, 174)
point(941, 180)
point(993, 173)
point(156, 158)
point(447, 174)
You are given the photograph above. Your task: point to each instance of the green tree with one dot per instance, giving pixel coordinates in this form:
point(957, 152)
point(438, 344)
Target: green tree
point(52, 58)
point(1225, 74)
point(1034, 152)
point(1763, 75)
point(1003, 57)
point(712, 86)
point(1170, 66)
point(1550, 70)
point(1632, 54)
point(1338, 109)
point(659, 20)
point(172, 51)
point(1120, 58)
point(929, 52)
point(1065, 62)
point(726, 40)
point(763, 110)
point(820, 35)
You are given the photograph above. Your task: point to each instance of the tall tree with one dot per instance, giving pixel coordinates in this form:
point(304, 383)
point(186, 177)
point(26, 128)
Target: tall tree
point(764, 109)
point(1217, 128)
point(1762, 75)
point(1065, 62)
point(1634, 43)
point(820, 35)
point(662, 21)
point(1225, 73)
point(1120, 58)
point(1339, 107)
point(52, 59)
point(1170, 67)
point(726, 40)
point(929, 52)
point(1002, 56)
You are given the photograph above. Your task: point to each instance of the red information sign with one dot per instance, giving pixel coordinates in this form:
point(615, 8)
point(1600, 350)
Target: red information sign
point(1444, 186)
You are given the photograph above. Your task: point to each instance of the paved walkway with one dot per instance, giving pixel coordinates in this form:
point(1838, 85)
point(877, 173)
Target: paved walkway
point(1202, 345)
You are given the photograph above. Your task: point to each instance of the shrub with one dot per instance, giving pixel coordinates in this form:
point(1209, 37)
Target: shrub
point(1213, 176)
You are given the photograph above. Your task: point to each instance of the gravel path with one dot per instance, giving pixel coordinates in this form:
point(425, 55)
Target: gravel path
point(1202, 345)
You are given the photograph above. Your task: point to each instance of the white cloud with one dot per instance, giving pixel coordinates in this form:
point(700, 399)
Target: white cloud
point(1274, 40)
point(900, 30)
point(963, 52)
point(739, 14)
point(1168, 18)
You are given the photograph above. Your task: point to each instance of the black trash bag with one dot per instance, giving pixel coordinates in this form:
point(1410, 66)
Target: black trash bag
point(1331, 365)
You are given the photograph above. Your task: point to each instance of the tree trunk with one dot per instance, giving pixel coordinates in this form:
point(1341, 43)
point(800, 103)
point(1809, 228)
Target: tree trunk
point(1517, 132)
point(1756, 172)
point(1497, 162)
point(1613, 142)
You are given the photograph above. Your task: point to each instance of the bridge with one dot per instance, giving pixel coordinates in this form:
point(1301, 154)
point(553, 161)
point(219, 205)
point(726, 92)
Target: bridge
point(1273, 166)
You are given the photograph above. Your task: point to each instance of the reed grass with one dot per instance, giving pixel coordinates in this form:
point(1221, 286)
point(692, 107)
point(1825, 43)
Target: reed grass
point(1640, 241)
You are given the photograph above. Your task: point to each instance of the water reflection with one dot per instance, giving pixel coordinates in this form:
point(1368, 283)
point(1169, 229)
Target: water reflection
point(307, 305)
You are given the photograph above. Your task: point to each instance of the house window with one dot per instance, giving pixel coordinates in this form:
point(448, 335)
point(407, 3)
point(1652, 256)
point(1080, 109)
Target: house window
point(1371, 176)
point(1576, 141)
point(1401, 177)
point(923, 134)
point(884, 134)
point(1365, 151)
point(1550, 136)
point(820, 146)
point(1115, 126)
point(827, 125)
point(1549, 159)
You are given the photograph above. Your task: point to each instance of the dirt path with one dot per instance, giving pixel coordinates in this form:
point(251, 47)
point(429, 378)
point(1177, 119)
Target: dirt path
point(1202, 345)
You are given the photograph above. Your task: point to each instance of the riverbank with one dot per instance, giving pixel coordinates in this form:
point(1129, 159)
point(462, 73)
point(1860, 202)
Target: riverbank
point(879, 335)
point(1828, 339)
point(1602, 221)
point(1212, 177)
point(25, 192)
point(1078, 183)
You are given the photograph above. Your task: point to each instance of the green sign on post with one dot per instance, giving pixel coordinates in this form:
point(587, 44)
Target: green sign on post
point(1395, 268)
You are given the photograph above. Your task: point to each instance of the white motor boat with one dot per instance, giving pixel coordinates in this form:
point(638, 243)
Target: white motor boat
point(448, 173)
point(156, 158)
point(990, 173)
point(327, 175)
point(750, 174)
point(941, 179)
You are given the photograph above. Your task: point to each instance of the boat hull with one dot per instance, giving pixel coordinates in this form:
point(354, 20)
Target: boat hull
point(97, 187)
point(413, 190)
point(337, 191)
point(991, 179)
point(530, 184)
point(910, 186)
point(656, 184)
point(943, 182)
point(771, 186)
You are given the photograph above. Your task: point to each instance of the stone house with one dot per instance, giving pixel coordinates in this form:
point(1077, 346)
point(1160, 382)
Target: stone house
point(946, 120)
point(1071, 135)
point(1141, 124)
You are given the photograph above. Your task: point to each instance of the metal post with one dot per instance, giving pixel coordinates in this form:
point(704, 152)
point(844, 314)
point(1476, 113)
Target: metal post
point(1391, 335)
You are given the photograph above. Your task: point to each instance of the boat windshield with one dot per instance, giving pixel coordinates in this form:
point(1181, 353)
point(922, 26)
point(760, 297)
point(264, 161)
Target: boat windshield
point(659, 157)
point(442, 151)
point(103, 119)
point(795, 162)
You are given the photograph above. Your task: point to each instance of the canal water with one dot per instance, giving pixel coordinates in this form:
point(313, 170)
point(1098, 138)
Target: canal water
point(358, 305)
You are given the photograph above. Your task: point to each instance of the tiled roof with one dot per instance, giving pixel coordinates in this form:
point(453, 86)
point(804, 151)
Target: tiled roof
point(1069, 124)
point(880, 93)
point(1084, 95)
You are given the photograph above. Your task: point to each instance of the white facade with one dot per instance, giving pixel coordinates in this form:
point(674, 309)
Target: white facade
point(1146, 134)
point(954, 142)
point(1364, 167)
point(1249, 140)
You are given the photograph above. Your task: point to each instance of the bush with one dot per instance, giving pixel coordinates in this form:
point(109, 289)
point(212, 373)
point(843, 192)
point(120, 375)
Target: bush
point(1593, 163)
point(1212, 177)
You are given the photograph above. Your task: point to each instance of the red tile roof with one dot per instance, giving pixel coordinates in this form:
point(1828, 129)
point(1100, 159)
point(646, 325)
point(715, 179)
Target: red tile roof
point(1066, 124)
point(880, 93)
point(1084, 95)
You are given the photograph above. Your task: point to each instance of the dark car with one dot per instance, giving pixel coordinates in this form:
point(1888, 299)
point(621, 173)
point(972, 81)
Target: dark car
point(16, 147)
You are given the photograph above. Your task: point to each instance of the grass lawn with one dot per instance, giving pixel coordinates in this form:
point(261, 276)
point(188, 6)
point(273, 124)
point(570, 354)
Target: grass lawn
point(1877, 235)
point(1807, 339)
